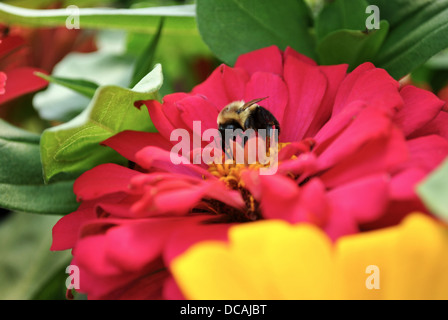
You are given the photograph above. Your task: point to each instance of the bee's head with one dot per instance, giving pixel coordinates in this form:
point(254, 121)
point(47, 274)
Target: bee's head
point(230, 112)
point(234, 115)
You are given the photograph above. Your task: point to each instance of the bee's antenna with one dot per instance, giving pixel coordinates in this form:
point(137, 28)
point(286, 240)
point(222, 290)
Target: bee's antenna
point(252, 102)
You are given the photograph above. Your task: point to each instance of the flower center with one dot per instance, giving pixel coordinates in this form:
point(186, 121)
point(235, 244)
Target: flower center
point(230, 172)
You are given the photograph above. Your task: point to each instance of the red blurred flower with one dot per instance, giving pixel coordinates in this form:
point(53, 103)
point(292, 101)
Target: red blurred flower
point(354, 146)
point(2, 82)
point(25, 51)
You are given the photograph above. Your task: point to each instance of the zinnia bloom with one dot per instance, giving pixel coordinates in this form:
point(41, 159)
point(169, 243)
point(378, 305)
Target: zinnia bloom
point(408, 261)
point(353, 146)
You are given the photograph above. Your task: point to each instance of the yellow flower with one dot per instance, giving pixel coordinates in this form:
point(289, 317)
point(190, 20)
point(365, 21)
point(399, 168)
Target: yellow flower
point(275, 260)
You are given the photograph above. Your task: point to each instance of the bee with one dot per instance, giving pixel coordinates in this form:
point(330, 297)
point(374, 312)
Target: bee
point(246, 115)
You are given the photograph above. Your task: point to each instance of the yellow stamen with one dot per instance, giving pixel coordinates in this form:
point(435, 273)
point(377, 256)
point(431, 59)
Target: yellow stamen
point(230, 172)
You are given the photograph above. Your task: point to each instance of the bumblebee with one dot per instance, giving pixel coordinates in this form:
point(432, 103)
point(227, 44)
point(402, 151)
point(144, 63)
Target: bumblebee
point(250, 115)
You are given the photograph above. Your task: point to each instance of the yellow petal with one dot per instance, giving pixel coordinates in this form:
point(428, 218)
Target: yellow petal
point(412, 260)
point(275, 260)
point(261, 262)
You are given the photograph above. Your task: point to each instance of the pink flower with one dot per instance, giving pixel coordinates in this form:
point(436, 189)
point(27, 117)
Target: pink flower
point(353, 147)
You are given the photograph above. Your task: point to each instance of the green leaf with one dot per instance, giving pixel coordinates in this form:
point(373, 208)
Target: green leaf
point(26, 262)
point(439, 61)
point(341, 14)
point(397, 10)
point(74, 147)
point(352, 47)
point(182, 56)
point(21, 183)
point(434, 191)
point(233, 27)
point(144, 20)
point(84, 87)
point(145, 62)
point(419, 37)
point(54, 288)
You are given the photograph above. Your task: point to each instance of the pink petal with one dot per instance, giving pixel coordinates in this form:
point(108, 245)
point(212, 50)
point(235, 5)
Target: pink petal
point(281, 198)
point(22, 81)
point(420, 107)
point(103, 179)
point(234, 80)
point(10, 43)
point(171, 290)
point(179, 197)
point(66, 230)
point(348, 84)
point(305, 164)
point(156, 158)
point(3, 79)
point(372, 85)
point(118, 209)
point(213, 88)
point(437, 126)
point(307, 86)
point(128, 143)
point(223, 86)
point(117, 286)
point(396, 212)
point(372, 123)
point(267, 59)
point(192, 230)
point(133, 246)
point(360, 201)
point(426, 152)
point(377, 156)
point(172, 111)
point(139, 183)
point(402, 185)
point(263, 84)
point(196, 108)
point(295, 149)
point(331, 130)
point(91, 254)
point(291, 52)
point(314, 199)
point(343, 225)
point(175, 202)
point(218, 191)
point(335, 75)
point(364, 199)
point(158, 117)
point(148, 286)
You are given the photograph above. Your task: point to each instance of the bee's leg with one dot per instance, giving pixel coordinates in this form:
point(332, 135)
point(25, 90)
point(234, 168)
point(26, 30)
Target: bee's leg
point(225, 145)
point(223, 140)
point(251, 123)
point(265, 120)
